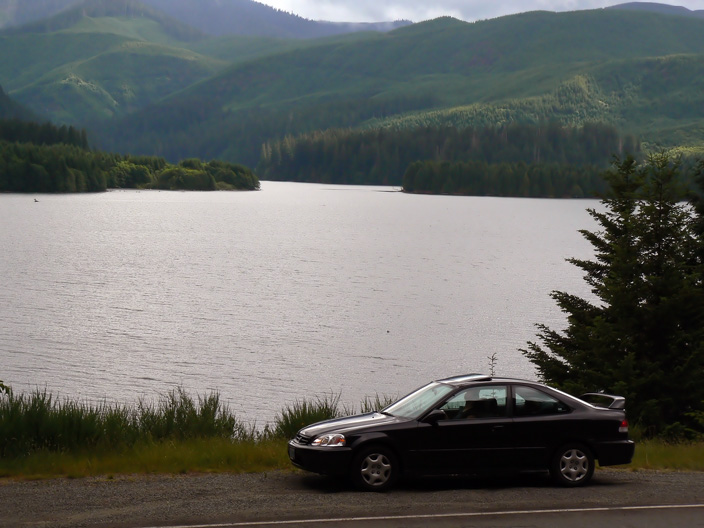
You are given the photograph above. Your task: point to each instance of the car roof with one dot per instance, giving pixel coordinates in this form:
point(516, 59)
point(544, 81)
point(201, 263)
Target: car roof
point(468, 379)
point(464, 379)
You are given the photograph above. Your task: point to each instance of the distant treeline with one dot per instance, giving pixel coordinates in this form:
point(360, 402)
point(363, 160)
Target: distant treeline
point(382, 156)
point(49, 159)
point(478, 178)
point(16, 130)
point(60, 168)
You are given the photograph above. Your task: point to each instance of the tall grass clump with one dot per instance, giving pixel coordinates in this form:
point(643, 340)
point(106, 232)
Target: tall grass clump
point(377, 403)
point(39, 422)
point(178, 416)
point(306, 412)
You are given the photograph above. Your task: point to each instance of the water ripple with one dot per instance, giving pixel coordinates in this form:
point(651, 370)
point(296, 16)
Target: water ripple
point(274, 296)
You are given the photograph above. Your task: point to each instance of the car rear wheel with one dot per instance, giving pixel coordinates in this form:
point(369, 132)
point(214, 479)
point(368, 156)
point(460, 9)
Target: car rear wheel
point(375, 469)
point(572, 465)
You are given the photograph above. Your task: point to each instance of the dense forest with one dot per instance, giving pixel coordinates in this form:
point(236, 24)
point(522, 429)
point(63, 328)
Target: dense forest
point(43, 158)
point(385, 156)
point(478, 178)
point(16, 130)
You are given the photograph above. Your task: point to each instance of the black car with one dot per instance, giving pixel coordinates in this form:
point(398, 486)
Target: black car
point(467, 425)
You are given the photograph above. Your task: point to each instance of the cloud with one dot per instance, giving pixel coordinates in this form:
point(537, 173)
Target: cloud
point(418, 10)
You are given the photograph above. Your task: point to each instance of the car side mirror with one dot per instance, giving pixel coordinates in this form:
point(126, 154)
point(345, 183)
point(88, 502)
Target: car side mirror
point(435, 416)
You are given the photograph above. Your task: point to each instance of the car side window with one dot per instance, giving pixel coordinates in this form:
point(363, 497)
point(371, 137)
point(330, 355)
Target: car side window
point(528, 401)
point(477, 402)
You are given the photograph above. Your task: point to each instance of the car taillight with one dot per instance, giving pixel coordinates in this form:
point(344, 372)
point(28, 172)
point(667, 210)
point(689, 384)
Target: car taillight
point(623, 428)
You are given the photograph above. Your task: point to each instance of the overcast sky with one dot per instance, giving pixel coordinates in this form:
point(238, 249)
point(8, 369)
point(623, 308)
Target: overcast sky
point(418, 10)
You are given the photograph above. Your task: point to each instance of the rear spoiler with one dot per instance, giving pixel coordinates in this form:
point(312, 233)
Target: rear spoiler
point(607, 401)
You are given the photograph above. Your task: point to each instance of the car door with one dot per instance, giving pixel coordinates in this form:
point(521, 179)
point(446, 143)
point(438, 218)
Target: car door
point(540, 423)
point(465, 442)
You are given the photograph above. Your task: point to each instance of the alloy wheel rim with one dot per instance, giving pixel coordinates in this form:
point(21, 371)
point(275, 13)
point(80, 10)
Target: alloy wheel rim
point(376, 469)
point(574, 465)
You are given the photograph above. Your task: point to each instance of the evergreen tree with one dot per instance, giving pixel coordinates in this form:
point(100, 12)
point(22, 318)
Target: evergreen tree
point(641, 334)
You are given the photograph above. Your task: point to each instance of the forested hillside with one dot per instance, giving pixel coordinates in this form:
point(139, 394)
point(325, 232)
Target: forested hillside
point(570, 67)
point(144, 83)
point(660, 99)
point(108, 58)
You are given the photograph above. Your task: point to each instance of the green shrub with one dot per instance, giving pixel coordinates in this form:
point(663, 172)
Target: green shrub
point(180, 178)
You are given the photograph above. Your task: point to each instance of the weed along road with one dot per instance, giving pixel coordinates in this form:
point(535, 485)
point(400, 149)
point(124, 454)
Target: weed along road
point(627, 498)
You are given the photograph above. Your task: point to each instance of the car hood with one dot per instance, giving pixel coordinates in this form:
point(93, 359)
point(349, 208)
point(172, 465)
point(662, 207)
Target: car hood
point(350, 424)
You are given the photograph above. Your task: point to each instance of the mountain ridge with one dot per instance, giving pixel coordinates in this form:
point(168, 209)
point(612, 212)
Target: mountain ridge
point(211, 17)
point(108, 8)
point(663, 9)
point(245, 17)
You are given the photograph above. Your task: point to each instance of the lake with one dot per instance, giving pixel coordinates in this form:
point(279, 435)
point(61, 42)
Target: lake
point(268, 297)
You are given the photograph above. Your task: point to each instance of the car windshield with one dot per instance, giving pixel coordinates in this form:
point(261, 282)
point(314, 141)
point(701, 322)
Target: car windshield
point(419, 401)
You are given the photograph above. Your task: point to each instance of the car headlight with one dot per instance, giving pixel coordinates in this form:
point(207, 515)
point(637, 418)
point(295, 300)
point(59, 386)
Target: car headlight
point(330, 440)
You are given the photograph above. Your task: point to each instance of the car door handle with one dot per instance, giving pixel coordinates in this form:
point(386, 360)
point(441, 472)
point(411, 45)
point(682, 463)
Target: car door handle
point(498, 428)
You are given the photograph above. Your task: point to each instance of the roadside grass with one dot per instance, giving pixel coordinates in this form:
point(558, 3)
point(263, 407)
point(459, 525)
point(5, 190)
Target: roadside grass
point(217, 455)
point(661, 455)
point(43, 437)
point(208, 455)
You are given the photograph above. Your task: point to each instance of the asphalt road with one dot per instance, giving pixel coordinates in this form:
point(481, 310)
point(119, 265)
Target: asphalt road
point(615, 498)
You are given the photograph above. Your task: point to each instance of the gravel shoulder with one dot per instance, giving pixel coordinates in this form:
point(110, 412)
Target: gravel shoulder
point(132, 501)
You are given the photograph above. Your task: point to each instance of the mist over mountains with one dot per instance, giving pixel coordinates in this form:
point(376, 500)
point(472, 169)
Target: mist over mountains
point(10, 109)
point(248, 17)
point(245, 17)
point(211, 17)
point(662, 9)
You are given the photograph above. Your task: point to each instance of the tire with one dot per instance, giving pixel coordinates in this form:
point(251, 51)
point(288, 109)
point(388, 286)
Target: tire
point(572, 465)
point(375, 469)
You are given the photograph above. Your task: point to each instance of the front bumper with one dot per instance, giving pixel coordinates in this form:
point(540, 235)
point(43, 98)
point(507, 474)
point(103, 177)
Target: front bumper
point(322, 460)
point(615, 453)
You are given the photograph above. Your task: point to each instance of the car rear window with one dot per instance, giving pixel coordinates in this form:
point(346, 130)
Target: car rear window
point(528, 401)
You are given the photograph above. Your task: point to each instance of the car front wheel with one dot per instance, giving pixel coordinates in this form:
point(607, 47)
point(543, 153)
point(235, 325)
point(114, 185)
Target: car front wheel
point(375, 469)
point(572, 465)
